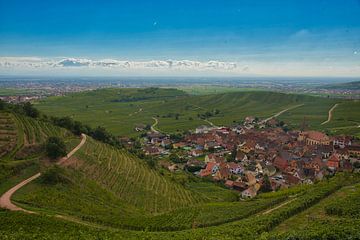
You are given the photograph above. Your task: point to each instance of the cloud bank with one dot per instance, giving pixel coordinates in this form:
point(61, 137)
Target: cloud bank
point(34, 62)
point(69, 65)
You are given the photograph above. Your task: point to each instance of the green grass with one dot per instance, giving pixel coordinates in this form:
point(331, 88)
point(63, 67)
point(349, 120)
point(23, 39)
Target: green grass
point(262, 225)
point(98, 108)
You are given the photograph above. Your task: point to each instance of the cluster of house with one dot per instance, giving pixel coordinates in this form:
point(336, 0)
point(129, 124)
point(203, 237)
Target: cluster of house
point(241, 156)
point(19, 99)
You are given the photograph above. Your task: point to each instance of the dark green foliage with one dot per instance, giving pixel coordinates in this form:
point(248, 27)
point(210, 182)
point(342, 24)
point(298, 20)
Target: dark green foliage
point(346, 206)
point(55, 147)
point(266, 186)
point(30, 110)
point(54, 175)
point(2, 105)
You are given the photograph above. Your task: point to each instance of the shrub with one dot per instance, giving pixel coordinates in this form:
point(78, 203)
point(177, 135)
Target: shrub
point(55, 147)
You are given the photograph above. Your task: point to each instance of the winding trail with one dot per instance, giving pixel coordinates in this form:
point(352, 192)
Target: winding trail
point(330, 114)
point(154, 125)
point(5, 199)
point(281, 112)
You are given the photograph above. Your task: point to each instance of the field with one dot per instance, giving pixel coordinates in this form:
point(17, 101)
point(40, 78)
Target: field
point(298, 209)
point(177, 111)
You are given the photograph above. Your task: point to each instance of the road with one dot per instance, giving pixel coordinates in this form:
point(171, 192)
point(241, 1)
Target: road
point(5, 199)
point(281, 112)
point(154, 125)
point(330, 114)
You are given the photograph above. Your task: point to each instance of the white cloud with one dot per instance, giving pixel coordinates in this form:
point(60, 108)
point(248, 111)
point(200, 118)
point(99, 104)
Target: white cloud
point(20, 62)
point(84, 66)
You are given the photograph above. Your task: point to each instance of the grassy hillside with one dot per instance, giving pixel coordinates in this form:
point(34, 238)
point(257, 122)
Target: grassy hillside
point(265, 224)
point(21, 145)
point(177, 111)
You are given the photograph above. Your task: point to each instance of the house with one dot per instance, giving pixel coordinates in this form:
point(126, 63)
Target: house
point(239, 186)
point(214, 158)
point(291, 180)
point(179, 145)
point(234, 168)
point(229, 183)
point(241, 156)
point(210, 169)
point(280, 163)
point(196, 153)
point(152, 150)
point(249, 120)
point(203, 129)
point(250, 178)
point(249, 193)
point(333, 162)
point(165, 142)
point(354, 150)
point(341, 141)
point(223, 172)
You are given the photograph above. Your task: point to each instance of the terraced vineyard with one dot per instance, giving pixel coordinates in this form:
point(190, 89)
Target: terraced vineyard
point(260, 224)
point(21, 142)
point(8, 134)
point(130, 179)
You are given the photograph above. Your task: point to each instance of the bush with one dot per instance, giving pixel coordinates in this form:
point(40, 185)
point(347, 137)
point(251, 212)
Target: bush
point(54, 175)
point(55, 147)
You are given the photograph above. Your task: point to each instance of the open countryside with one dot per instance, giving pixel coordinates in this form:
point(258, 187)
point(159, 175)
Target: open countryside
point(180, 120)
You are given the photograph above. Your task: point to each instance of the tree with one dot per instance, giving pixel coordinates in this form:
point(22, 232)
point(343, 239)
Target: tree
point(174, 158)
point(2, 105)
point(101, 134)
point(55, 147)
point(266, 186)
point(30, 111)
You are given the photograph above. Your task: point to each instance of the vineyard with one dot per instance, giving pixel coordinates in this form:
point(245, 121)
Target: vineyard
point(103, 192)
point(8, 134)
point(21, 142)
point(258, 225)
point(131, 179)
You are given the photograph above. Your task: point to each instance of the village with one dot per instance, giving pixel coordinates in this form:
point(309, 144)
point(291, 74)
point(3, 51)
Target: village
point(256, 156)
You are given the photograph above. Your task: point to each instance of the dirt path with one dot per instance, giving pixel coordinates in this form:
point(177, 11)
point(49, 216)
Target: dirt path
point(5, 199)
point(279, 206)
point(211, 124)
point(83, 140)
point(154, 125)
point(138, 111)
point(281, 112)
point(330, 114)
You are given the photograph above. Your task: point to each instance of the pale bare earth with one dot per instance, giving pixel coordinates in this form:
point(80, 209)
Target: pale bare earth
point(281, 112)
point(5, 199)
point(279, 206)
point(330, 114)
point(154, 125)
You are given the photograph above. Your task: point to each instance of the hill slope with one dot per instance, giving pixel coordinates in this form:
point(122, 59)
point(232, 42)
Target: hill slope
point(179, 112)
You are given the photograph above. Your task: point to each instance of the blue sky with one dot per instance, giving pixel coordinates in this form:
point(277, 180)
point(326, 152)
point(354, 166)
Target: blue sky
point(250, 32)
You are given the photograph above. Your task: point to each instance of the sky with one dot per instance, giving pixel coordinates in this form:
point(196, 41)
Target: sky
point(138, 37)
